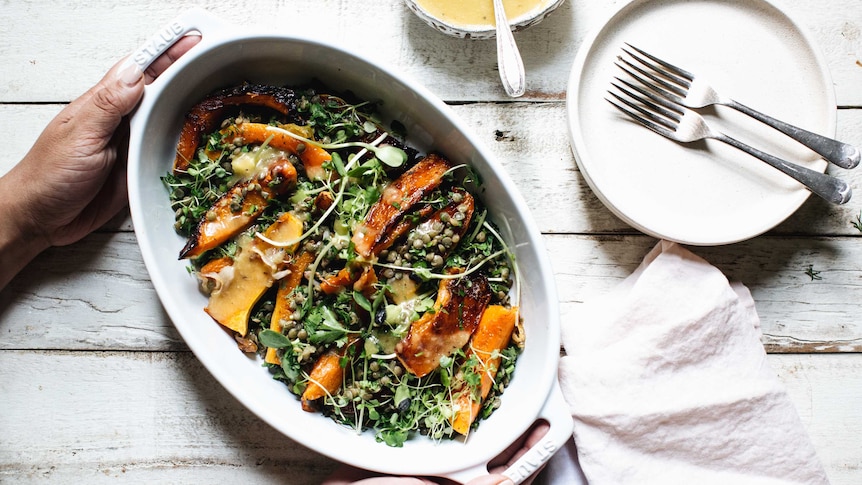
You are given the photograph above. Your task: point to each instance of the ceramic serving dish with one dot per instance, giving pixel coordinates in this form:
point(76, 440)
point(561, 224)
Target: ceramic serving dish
point(484, 30)
point(227, 56)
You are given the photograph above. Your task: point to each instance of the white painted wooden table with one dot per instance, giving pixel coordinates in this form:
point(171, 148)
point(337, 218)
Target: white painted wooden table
point(96, 385)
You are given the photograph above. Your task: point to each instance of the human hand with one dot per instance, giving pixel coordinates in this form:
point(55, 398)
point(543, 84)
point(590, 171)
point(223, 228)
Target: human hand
point(348, 475)
point(73, 179)
point(517, 449)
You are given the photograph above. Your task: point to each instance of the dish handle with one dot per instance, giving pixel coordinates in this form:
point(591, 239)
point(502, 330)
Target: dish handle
point(556, 413)
point(193, 20)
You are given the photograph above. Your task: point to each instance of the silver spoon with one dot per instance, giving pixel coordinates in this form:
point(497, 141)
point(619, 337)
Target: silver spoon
point(508, 58)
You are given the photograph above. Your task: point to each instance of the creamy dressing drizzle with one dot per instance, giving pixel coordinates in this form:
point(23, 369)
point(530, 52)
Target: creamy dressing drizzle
point(476, 12)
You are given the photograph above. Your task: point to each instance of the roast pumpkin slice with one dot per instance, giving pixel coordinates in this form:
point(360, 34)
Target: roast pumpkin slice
point(282, 310)
point(204, 117)
point(361, 278)
point(491, 337)
point(312, 156)
point(366, 281)
point(252, 273)
point(239, 208)
point(344, 277)
point(327, 375)
point(325, 379)
point(402, 227)
point(426, 215)
point(448, 327)
point(397, 199)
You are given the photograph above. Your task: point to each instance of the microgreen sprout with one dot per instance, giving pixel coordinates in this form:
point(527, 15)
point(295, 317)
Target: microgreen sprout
point(193, 192)
point(511, 255)
point(858, 222)
point(388, 154)
point(425, 273)
point(332, 207)
point(811, 273)
point(365, 319)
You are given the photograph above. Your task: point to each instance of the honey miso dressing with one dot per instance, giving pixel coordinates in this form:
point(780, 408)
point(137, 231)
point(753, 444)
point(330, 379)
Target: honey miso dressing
point(476, 12)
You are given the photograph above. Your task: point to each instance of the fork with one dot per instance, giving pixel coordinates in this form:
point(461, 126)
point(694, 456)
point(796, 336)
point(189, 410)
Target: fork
point(683, 125)
point(694, 92)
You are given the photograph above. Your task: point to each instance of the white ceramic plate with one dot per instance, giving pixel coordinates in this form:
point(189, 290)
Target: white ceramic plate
point(227, 56)
point(705, 193)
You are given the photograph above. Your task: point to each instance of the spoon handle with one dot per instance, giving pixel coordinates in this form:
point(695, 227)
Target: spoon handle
point(508, 57)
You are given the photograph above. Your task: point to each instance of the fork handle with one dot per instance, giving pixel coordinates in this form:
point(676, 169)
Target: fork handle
point(841, 154)
point(830, 188)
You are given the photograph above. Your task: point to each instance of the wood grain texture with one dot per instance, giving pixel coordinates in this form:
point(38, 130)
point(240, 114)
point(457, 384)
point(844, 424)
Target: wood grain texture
point(39, 68)
point(97, 295)
point(96, 417)
point(97, 385)
point(827, 385)
point(531, 141)
point(797, 313)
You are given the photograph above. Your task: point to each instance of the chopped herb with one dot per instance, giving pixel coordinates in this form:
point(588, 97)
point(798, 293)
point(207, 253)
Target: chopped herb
point(811, 273)
point(362, 319)
point(858, 222)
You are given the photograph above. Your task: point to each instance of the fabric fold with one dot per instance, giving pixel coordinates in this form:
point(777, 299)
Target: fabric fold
point(668, 382)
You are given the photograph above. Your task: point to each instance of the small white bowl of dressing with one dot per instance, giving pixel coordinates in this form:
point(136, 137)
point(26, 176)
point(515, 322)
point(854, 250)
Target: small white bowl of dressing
point(474, 19)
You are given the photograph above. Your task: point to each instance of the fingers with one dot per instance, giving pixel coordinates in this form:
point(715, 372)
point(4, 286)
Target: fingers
point(99, 111)
point(491, 480)
point(536, 434)
point(393, 481)
point(519, 447)
point(511, 455)
point(170, 56)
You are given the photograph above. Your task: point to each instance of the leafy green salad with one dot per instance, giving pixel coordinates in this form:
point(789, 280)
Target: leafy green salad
point(368, 277)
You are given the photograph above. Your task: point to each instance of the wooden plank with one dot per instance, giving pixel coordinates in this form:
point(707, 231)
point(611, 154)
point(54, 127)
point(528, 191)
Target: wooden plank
point(797, 313)
point(97, 295)
point(120, 397)
point(41, 58)
point(140, 417)
point(531, 141)
point(827, 392)
point(150, 417)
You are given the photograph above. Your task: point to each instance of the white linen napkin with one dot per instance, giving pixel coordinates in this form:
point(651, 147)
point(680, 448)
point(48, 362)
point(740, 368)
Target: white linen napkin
point(668, 383)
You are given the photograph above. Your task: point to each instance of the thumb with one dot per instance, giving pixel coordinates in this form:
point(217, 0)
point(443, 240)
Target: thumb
point(112, 98)
point(491, 480)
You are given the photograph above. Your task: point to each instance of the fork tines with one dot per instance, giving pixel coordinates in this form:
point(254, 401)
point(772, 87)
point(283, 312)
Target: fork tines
point(668, 67)
point(662, 77)
point(648, 109)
